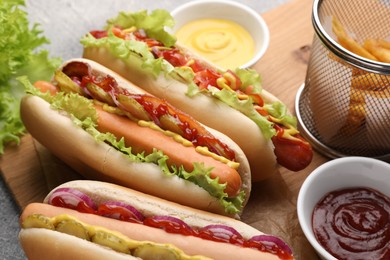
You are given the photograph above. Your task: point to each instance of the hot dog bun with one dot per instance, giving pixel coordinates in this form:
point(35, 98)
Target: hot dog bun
point(97, 160)
point(32, 238)
point(230, 101)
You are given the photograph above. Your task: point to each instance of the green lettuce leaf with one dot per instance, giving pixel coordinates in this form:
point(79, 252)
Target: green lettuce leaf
point(249, 77)
point(246, 107)
point(18, 56)
point(279, 111)
point(153, 23)
point(129, 52)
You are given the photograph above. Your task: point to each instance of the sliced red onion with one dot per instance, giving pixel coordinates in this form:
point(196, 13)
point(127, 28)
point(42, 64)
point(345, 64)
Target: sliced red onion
point(72, 197)
point(155, 50)
point(169, 224)
point(270, 241)
point(131, 212)
point(76, 80)
point(142, 32)
point(222, 233)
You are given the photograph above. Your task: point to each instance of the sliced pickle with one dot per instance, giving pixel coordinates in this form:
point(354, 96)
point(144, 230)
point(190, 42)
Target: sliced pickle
point(110, 240)
point(155, 252)
point(133, 107)
point(170, 123)
point(72, 227)
point(99, 94)
point(66, 84)
point(37, 221)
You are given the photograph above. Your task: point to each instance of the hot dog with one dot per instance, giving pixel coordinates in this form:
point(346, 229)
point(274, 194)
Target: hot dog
point(132, 222)
point(137, 46)
point(108, 129)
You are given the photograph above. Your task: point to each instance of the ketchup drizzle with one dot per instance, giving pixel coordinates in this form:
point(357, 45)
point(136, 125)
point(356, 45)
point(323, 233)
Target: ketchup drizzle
point(81, 206)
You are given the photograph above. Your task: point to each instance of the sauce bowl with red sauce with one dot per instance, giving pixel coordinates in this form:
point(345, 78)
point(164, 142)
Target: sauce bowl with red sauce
point(344, 209)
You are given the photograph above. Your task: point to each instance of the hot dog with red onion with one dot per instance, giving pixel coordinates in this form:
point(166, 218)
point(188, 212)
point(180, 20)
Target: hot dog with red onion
point(108, 129)
point(137, 46)
point(128, 222)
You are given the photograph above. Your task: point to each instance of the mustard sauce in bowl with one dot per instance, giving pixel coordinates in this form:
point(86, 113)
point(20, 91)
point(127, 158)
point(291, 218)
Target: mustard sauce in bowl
point(226, 33)
point(223, 42)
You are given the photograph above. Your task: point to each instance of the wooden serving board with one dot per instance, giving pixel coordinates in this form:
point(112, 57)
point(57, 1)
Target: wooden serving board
point(31, 171)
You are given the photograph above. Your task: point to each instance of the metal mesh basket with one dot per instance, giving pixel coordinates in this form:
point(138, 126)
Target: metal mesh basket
point(344, 106)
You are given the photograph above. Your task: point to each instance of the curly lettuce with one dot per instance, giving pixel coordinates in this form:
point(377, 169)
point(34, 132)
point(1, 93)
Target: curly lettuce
point(18, 56)
point(153, 24)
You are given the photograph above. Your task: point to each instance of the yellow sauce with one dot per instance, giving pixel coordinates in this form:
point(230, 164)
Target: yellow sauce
point(205, 151)
point(223, 42)
point(178, 138)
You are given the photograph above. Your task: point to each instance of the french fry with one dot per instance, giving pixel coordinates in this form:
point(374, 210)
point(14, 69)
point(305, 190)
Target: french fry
point(371, 82)
point(347, 42)
point(355, 119)
point(375, 85)
point(385, 44)
point(378, 49)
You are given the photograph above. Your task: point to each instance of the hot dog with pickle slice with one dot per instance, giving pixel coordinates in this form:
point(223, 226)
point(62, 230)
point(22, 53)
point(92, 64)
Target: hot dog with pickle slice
point(79, 217)
point(137, 46)
point(108, 129)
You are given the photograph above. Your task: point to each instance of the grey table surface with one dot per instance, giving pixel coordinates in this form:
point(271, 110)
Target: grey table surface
point(72, 18)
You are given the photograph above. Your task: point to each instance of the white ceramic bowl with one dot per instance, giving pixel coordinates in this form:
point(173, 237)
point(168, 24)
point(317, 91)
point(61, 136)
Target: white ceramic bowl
point(337, 174)
point(228, 10)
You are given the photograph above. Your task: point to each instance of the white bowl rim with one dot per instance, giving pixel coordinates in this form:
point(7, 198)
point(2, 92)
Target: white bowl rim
point(253, 13)
point(307, 182)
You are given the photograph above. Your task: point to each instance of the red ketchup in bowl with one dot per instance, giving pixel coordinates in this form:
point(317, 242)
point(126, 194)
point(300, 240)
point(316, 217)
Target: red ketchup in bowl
point(354, 223)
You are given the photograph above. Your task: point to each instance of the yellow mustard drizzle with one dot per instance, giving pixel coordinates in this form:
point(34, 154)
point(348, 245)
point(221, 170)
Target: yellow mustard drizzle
point(189, 63)
point(130, 29)
point(110, 109)
point(119, 242)
point(229, 77)
point(161, 48)
point(205, 151)
point(223, 81)
point(178, 138)
point(242, 96)
point(289, 131)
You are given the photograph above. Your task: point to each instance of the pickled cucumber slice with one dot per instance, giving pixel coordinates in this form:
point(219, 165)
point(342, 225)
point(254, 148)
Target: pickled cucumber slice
point(37, 221)
point(100, 94)
point(170, 123)
point(155, 252)
point(74, 228)
point(133, 107)
point(66, 84)
point(110, 240)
